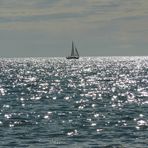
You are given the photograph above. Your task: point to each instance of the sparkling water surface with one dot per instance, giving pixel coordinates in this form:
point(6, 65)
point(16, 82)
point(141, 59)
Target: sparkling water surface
point(93, 102)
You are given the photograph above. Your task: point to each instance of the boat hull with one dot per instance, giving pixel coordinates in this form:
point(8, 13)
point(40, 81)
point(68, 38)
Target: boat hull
point(72, 57)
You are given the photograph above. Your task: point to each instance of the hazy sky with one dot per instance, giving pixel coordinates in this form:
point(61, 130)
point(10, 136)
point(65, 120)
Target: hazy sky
point(98, 27)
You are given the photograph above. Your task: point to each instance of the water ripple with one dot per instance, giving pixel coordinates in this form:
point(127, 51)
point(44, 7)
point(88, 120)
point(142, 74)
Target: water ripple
point(90, 102)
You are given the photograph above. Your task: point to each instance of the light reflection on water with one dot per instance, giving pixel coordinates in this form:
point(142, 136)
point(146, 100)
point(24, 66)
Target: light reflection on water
point(91, 102)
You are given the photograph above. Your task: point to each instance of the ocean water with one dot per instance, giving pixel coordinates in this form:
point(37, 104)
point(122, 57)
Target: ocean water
point(93, 102)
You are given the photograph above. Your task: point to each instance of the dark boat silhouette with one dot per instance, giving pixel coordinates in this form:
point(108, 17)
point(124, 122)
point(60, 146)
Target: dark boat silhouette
point(74, 53)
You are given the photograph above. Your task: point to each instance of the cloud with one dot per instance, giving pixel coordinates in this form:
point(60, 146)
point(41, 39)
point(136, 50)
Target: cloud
point(99, 9)
point(37, 14)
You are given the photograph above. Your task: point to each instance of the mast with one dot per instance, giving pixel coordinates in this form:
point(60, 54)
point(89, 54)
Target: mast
point(72, 50)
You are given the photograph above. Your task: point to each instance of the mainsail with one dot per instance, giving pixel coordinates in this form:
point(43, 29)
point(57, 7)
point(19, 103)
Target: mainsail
point(73, 49)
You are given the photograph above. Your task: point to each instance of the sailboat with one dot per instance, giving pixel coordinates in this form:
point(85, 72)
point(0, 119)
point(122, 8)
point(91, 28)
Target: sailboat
point(74, 53)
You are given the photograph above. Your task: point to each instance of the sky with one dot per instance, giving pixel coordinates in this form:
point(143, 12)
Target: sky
point(46, 28)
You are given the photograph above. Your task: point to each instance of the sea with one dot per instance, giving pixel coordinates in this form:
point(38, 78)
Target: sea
point(92, 102)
